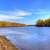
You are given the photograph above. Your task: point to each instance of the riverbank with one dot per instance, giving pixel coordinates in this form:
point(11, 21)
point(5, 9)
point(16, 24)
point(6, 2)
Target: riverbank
point(5, 44)
point(11, 24)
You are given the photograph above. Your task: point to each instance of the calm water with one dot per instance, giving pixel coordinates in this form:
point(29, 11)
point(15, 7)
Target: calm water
point(28, 38)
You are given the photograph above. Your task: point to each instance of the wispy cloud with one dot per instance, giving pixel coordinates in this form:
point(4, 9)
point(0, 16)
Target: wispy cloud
point(23, 13)
point(41, 13)
point(18, 14)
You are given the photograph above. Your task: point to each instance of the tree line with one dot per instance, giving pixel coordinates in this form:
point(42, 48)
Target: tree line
point(45, 22)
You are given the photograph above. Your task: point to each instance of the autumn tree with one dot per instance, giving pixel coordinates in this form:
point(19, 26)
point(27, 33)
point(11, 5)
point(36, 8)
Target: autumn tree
point(40, 23)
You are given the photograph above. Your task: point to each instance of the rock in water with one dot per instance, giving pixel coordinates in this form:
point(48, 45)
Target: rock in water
point(5, 44)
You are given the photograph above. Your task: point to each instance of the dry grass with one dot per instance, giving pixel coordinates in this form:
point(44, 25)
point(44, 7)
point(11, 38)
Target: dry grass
point(6, 44)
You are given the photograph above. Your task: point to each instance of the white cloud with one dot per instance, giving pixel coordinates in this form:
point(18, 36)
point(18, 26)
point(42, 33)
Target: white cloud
point(9, 17)
point(23, 13)
point(19, 14)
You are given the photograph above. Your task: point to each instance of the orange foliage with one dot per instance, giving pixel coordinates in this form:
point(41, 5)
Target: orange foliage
point(11, 24)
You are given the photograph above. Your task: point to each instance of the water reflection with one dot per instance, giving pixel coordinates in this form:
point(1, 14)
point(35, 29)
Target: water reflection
point(28, 38)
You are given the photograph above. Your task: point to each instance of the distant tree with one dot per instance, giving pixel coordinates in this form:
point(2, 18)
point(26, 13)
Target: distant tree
point(40, 23)
point(45, 22)
point(48, 22)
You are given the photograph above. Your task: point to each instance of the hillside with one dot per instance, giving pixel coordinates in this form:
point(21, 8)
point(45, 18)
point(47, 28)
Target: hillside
point(6, 44)
point(10, 24)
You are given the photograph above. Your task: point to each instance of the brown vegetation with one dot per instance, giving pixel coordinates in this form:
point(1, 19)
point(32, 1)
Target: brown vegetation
point(43, 22)
point(10, 24)
point(6, 44)
point(40, 23)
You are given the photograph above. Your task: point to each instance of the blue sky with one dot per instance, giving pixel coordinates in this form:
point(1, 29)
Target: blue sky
point(24, 11)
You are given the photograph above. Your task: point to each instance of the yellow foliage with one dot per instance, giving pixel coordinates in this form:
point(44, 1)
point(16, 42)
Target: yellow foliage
point(43, 22)
point(12, 24)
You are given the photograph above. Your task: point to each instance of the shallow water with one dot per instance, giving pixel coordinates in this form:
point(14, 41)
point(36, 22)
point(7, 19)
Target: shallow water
point(28, 38)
